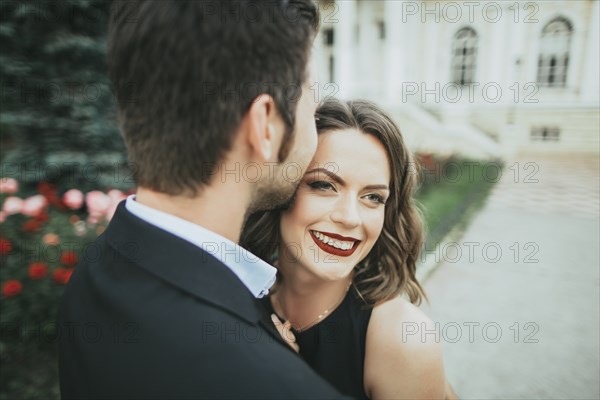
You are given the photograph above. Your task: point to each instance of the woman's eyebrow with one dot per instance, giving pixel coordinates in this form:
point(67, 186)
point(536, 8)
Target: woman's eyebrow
point(377, 187)
point(339, 180)
point(330, 174)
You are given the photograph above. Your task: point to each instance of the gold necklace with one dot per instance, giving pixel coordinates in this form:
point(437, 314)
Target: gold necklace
point(323, 314)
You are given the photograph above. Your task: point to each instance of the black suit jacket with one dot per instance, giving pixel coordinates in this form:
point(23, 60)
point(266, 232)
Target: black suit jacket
point(147, 315)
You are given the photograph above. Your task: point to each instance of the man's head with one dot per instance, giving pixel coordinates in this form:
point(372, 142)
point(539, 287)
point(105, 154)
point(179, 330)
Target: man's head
point(187, 73)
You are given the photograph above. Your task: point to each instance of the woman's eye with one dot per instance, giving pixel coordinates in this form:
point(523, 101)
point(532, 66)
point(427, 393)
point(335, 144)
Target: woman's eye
point(376, 198)
point(321, 185)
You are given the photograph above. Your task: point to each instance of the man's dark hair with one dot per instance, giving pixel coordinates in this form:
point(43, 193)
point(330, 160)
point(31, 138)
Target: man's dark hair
point(186, 72)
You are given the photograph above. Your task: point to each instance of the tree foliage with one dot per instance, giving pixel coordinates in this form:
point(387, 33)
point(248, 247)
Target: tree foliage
point(57, 121)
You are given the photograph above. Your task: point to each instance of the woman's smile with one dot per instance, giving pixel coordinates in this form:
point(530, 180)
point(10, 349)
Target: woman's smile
point(334, 244)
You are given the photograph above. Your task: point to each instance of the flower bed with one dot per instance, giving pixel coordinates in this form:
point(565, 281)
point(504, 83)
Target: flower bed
point(42, 238)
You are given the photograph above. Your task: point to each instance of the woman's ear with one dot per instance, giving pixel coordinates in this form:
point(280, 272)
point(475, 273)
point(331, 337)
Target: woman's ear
point(263, 134)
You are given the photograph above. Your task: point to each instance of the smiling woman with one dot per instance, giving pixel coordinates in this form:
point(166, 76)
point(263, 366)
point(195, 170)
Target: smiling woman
point(337, 216)
point(346, 247)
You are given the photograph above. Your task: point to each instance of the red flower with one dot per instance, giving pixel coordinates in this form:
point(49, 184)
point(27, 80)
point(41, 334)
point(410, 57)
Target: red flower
point(5, 247)
point(42, 217)
point(37, 270)
point(46, 188)
point(56, 201)
point(62, 275)
point(427, 161)
point(31, 226)
point(11, 288)
point(69, 258)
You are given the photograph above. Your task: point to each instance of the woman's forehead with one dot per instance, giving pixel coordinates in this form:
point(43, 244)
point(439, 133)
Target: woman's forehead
point(351, 152)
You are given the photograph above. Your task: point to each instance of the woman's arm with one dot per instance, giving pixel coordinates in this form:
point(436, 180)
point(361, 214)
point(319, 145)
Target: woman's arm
point(403, 356)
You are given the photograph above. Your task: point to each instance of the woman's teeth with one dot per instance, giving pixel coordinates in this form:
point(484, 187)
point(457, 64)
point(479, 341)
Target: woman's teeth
point(338, 244)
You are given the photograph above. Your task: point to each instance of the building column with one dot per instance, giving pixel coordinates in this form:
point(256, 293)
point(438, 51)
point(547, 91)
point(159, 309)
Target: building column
point(344, 45)
point(589, 83)
point(395, 52)
point(431, 61)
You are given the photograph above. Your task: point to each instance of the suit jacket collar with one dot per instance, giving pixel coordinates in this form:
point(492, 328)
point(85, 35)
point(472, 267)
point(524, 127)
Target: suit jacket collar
point(257, 275)
point(184, 265)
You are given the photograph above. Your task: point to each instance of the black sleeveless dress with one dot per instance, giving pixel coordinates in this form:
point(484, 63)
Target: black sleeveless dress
point(335, 347)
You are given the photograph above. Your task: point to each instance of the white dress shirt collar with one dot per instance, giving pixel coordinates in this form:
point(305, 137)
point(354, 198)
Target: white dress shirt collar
point(257, 275)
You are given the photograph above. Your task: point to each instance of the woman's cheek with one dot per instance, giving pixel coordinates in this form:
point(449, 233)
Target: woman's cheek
point(313, 206)
point(375, 220)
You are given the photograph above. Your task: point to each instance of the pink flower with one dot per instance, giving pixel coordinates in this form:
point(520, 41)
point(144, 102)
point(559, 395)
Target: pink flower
point(97, 202)
point(111, 211)
point(80, 228)
point(116, 197)
point(12, 205)
point(33, 206)
point(51, 239)
point(9, 185)
point(73, 199)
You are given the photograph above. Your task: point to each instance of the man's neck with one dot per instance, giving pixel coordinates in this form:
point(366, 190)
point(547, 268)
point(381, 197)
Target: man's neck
point(219, 208)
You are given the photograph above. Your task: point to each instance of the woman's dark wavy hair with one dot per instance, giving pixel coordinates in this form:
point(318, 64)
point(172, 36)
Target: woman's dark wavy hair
point(389, 268)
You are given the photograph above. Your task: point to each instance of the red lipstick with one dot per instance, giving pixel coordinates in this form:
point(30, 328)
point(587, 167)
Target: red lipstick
point(333, 250)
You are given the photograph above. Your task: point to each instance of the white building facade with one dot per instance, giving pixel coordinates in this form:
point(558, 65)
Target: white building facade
point(477, 78)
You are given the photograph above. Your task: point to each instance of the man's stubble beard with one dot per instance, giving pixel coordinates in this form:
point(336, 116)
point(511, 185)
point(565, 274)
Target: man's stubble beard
point(279, 189)
point(273, 195)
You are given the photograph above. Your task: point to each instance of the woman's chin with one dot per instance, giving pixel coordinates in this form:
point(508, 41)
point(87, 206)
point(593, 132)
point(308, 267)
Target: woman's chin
point(332, 275)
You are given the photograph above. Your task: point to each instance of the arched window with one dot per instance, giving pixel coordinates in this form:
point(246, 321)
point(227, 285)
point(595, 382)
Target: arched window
point(464, 53)
point(554, 53)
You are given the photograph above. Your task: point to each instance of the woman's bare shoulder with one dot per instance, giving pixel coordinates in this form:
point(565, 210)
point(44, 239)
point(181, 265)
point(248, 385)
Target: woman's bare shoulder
point(403, 356)
point(400, 310)
point(403, 326)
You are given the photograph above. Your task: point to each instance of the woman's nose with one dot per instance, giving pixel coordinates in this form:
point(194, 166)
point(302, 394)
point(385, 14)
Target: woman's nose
point(346, 212)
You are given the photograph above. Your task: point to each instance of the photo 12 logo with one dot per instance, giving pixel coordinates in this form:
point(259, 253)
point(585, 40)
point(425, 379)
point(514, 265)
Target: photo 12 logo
point(454, 12)
point(483, 252)
point(452, 92)
point(454, 332)
point(71, 173)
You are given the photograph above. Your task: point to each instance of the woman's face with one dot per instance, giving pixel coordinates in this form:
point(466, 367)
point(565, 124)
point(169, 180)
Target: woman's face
point(339, 207)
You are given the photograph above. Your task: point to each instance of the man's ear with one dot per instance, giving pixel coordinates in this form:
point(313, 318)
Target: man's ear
point(264, 133)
